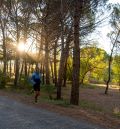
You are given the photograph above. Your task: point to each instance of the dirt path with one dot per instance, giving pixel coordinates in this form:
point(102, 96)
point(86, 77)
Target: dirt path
point(15, 115)
point(73, 112)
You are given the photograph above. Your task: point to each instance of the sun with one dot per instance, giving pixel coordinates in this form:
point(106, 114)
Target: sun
point(21, 47)
point(27, 47)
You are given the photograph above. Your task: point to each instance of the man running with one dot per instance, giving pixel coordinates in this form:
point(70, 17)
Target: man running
point(36, 78)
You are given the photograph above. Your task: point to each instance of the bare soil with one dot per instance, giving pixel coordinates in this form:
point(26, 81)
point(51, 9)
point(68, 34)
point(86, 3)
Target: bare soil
point(108, 103)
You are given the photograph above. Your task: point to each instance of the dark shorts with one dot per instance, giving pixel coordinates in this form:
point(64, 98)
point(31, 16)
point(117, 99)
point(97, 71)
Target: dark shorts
point(36, 87)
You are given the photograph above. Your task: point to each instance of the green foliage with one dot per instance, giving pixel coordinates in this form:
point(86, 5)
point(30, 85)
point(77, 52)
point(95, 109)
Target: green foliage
point(93, 64)
point(24, 83)
point(116, 70)
point(117, 115)
point(3, 80)
point(69, 68)
point(48, 88)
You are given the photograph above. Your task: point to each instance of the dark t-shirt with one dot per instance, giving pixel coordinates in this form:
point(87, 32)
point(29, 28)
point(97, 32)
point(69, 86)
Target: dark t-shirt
point(36, 77)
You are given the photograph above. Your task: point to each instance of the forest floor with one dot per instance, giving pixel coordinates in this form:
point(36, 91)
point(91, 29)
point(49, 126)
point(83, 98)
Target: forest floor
point(94, 106)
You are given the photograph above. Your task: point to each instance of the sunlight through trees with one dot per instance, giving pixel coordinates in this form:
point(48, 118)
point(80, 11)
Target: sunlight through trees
point(54, 35)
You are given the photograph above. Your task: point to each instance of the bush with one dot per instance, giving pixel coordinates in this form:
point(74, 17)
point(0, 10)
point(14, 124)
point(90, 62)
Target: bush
point(25, 83)
point(49, 89)
point(3, 80)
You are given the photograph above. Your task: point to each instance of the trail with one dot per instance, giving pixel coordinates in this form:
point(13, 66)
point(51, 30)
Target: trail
point(15, 115)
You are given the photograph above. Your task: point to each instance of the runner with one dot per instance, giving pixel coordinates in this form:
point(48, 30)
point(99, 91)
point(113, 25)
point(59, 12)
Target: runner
point(36, 78)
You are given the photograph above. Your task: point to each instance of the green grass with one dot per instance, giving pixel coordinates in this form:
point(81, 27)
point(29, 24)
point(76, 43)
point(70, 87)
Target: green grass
point(117, 115)
point(88, 86)
point(48, 88)
point(63, 103)
point(89, 105)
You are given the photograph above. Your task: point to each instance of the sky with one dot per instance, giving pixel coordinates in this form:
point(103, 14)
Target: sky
point(114, 1)
point(104, 41)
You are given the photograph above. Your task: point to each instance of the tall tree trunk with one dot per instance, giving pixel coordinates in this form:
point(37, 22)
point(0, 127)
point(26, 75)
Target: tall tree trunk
point(25, 32)
point(4, 53)
point(63, 59)
point(14, 67)
point(21, 71)
point(17, 54)
point(29, 70)
point(109, 64)
point(55, 63)
point(10, 69)
point(1, 2)
point(47, 63)
point(43, 78)
point(25, 61)
point(61, 66)
point(76, 56)
point(64, 76)
point(52, 71)
point(16, 71)
point(60, 76)
point(25, 56)
point(7, 67)
point(109, 74)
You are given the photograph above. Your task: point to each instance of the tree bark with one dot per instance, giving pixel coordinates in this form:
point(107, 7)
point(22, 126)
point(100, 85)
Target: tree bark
point(17, 54)
point(109, 64)
point(16, 71)
point(7, 67)
point(21, 71)
point(76, 57)
point(55, 63)
point(63, 59)
point(4, 53)
point(61, 66)
point(52, 71)
point(43, 78)
point(64, 76)
point(26, 72)
point(10, 69)
point(47, 63)
point(29, 70)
